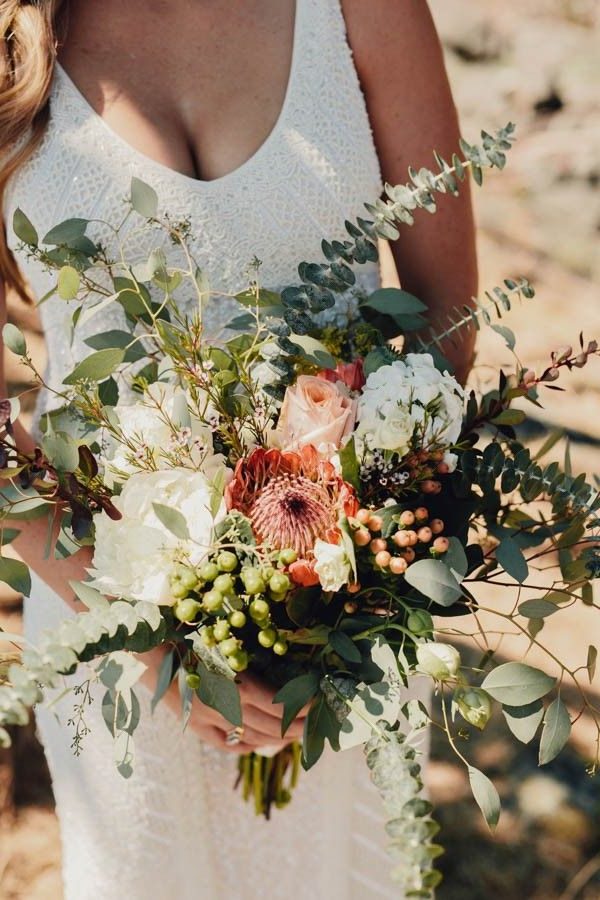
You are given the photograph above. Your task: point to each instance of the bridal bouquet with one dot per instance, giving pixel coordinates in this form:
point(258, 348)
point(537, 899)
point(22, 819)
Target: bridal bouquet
point(300, 499)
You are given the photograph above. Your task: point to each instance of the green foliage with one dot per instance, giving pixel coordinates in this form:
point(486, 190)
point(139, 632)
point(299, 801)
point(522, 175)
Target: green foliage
point(294, 695)
point(486, 796)
point(220, 693)
point(556, 731)
point(396, 774)
point(15, 574)
point(517, 684)
point(23, 228)
point(173, 520)
point(525, 720)
point(433, 579)
point(143, 198)
point(13, 339)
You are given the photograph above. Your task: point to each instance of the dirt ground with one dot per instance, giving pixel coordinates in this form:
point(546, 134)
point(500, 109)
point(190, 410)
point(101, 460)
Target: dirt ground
point(536, 63)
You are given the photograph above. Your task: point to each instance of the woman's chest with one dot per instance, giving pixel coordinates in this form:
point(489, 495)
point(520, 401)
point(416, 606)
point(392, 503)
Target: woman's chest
point(196, 86)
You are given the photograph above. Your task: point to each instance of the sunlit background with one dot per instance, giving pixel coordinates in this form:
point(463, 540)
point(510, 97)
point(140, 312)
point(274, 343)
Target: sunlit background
point(536, 62)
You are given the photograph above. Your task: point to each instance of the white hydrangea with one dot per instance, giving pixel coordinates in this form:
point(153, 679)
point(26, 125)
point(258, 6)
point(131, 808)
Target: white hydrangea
point(133, 557)
point(408, 395)
point(160, 426)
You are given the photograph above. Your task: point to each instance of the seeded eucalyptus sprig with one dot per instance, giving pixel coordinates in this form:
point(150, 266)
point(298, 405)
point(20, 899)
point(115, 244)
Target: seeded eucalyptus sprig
point(320, 281)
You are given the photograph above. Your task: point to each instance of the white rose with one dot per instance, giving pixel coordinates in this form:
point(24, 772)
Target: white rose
point(441, 661)
point(331, 565)
point(133, 556)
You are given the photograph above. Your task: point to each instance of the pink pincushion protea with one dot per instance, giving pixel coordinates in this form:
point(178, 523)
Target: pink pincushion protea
point(292, 498)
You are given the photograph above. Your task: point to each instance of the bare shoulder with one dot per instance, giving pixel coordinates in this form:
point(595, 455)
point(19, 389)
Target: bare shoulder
point(400, 64)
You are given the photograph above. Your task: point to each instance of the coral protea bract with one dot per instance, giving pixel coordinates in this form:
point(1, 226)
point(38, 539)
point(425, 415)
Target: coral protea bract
point(292, 498)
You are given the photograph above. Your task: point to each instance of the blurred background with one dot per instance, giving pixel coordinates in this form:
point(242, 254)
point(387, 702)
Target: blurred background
point(536, 62)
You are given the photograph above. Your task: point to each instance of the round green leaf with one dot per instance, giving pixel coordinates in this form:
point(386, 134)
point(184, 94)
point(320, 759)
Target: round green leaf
point(537, 608)
point(13, 339)
point(143, 198)
point(517, 684)
point(68, 283)
point(61, 450)
point(434, 579)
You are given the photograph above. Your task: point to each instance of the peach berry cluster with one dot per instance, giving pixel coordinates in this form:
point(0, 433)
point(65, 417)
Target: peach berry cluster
point(417, 534)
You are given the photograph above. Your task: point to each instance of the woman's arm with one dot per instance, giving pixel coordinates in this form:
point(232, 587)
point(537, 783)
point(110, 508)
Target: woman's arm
point(31, 543)
point(401, 68)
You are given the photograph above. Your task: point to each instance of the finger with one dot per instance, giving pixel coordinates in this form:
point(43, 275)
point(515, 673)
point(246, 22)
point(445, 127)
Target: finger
point(270, 725)
point(255, 691)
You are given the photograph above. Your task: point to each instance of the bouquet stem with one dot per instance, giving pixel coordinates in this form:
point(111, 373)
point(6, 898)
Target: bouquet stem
point(269, 780)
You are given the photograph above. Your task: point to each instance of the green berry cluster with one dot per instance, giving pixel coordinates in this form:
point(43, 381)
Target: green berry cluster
point(233, 599)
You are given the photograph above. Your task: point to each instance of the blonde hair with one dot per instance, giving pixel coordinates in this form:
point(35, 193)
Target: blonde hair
point(27, 56)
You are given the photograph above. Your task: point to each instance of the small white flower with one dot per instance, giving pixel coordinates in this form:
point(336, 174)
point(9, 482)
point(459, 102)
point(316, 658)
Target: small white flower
point(441, 661)
point(451, 460)
point(332, 565)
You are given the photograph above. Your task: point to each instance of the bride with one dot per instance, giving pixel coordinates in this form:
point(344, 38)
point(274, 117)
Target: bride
point(266, 123)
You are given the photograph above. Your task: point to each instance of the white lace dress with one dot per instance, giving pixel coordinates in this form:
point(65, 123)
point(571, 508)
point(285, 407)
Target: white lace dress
point(176, 829)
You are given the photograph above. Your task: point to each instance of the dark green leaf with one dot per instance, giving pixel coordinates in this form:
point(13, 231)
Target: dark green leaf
point(119, 340)
point(344, 646)
point(16, 575)
point(592, 656)
point(556, 731)
point(537, 608)
point(220, 693)
point(517, 684)
point(511, 558)
point(349, 464)
point(23, 228)
point(67, 232)
point(8, 535)
point(96, 367)
point(393, 301)
point(294, 695)
point(164, 678)
point(509, 417)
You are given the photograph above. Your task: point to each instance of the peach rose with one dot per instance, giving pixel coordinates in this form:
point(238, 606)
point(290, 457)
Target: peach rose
point(317, 412)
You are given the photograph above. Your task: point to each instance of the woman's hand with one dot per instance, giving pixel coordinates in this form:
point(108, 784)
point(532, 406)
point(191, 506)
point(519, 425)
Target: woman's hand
point(261, 719)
